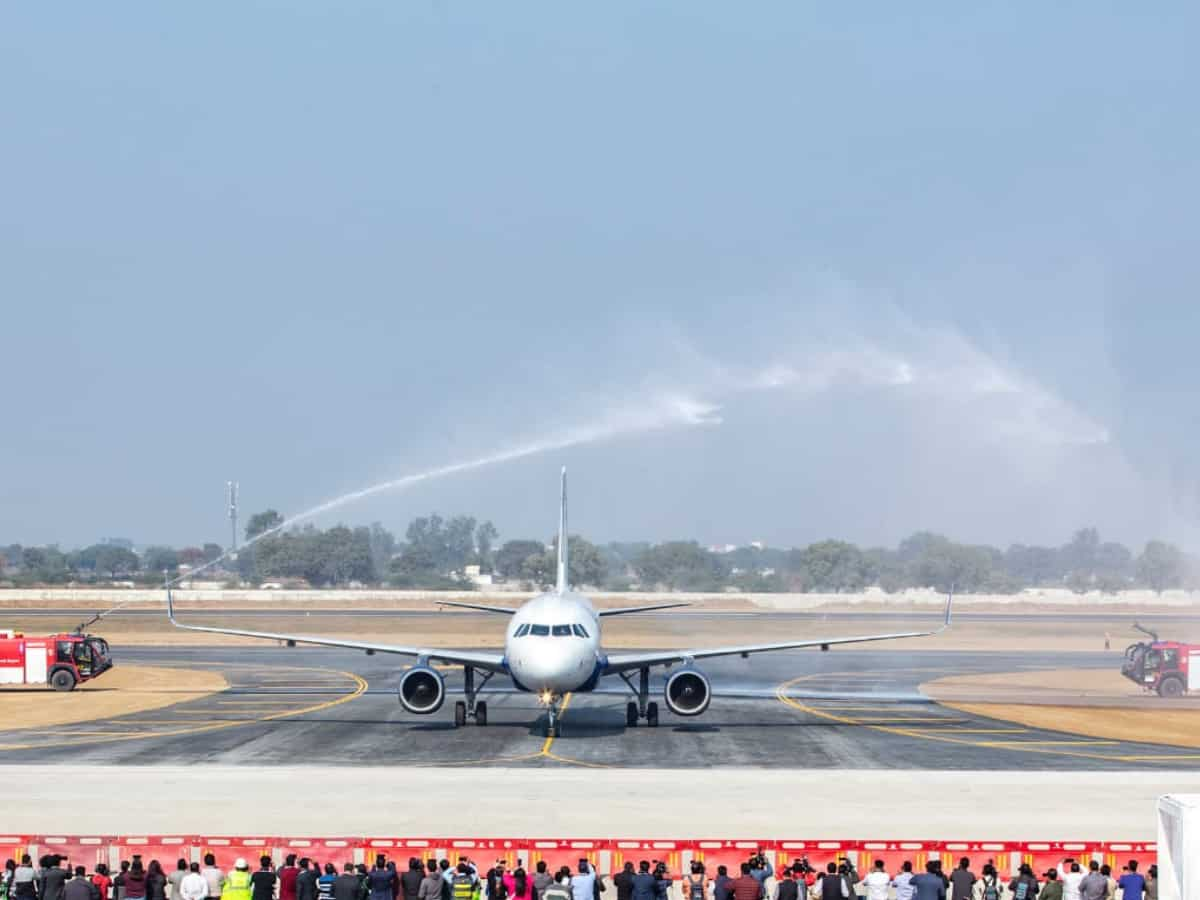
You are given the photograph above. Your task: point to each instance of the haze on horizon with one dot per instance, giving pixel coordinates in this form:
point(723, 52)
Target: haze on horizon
point(788, 273)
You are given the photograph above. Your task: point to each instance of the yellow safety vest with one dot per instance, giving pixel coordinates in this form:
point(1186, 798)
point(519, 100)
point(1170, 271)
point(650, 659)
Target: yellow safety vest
point(236, 886)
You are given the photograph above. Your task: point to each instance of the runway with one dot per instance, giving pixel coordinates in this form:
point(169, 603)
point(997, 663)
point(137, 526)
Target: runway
point(339, 708)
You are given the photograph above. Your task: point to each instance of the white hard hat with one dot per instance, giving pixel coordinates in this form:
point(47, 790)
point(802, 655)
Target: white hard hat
point(241, 863)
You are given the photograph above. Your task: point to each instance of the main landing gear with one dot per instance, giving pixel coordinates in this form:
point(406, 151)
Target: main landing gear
point(472, 708)
point(642, 708)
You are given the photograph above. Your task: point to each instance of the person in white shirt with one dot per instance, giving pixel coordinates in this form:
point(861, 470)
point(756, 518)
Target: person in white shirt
point(903, 882)
point(877, 882)
point(194, 886)
point(1071, 882)
point(213, 876)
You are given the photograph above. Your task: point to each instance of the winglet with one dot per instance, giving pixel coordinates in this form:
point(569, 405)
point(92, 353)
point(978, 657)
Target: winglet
point(949, 602)
point(170, 607)
point(561, 585)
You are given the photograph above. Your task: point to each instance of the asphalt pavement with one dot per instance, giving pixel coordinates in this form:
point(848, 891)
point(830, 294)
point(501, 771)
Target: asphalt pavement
point(339, 708)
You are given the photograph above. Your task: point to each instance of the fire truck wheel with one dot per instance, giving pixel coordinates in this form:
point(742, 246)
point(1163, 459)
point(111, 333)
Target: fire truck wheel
point(62, 680)
point(1171, 686)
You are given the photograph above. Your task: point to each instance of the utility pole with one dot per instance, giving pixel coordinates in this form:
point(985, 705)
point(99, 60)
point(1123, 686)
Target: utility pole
point(231, 495)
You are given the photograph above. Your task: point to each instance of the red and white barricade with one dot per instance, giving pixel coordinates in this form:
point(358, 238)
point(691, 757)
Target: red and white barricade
point(669, 852)
point(227, 850)
point(165, 848)
point(1004, 856)
point(1118, 856)
point(568, 852)
point(894, 855)
point(77, 850)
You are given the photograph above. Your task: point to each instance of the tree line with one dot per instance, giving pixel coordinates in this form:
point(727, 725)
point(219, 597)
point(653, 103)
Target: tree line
point(454, 552)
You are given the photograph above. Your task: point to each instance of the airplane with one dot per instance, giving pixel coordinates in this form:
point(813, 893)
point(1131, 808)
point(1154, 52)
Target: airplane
point(552, 647)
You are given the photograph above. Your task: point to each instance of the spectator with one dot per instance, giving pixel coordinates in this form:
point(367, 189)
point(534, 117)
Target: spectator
point(236, 885)
point(1024, 886)
point(54, 878)
point(382, 881)
point(557, 888)
point(494, 887)
point(462, 885)
point(542, 879)
point(930, 884)
point(194, 886)
point(135, 881)
point(962, 880)
point(347, 886)
point(176, 878)
point(623, 882)
point(262, 882)
point(1152, 882)
point(287, 875)
point(877, 882)
point(410, 880)
point(584, 885)
point(214, 877)
point(662, 880)
point(722, 885)
point(101, 880)
point(78, 888)
point(903, 882)
point(1106, 873)
point(786, 887)
point(695, 883)
point(431, 884)
point(760, 870)
point(306, 880)
point(1132, 884)
point(1052, 888)
point(1093, 885)
point(23, 879)
point(119, 881)
point(1070, 882)
point(988, 886)
point(645, 885)
point(830, 886)
point(156, 881)
point(329, 876)
point(522, 885)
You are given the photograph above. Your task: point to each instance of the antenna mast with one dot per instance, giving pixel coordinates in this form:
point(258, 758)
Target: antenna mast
point(231, 495)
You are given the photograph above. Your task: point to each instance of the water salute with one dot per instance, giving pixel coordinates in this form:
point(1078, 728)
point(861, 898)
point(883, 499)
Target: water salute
point(630, 452)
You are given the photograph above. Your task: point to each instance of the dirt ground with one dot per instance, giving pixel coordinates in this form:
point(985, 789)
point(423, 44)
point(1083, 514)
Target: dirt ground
point(970, 631)
point(123, 690)
point(1103, 704)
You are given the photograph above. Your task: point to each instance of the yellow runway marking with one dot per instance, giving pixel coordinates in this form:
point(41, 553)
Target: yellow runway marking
point(1048, 743)
point(550, 737)
point(925, 734)
point(950, 729)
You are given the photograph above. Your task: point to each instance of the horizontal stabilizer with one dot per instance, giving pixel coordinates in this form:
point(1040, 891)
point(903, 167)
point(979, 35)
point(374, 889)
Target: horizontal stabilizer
point(624, 610)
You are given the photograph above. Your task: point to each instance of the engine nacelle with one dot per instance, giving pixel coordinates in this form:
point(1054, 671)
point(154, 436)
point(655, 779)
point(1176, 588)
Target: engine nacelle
point(688, 692)
point(422, 690)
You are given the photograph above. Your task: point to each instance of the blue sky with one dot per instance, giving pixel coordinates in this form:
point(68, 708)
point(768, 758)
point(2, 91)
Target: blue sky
point(923, 266)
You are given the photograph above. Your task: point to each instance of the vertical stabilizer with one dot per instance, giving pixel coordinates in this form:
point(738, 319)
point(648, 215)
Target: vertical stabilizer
point(561, 584)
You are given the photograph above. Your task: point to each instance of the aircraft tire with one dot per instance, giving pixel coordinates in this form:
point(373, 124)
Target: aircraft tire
point(481, 714)
point(631, 715)
point(460, 714)
point(652, 715)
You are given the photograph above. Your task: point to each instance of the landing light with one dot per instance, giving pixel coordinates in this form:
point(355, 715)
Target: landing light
point(545, 697)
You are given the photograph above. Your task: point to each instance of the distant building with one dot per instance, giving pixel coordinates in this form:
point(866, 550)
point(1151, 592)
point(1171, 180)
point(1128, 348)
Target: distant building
point(722, 548)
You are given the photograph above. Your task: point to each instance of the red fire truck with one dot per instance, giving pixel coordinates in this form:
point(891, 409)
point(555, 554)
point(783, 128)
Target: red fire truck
point(1169, 668)
point(59, 660)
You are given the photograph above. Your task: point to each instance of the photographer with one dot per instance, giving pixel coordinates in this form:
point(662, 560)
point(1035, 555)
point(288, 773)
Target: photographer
point(760, 871)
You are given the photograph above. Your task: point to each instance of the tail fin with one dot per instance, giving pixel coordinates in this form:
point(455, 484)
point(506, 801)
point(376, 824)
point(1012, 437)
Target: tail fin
point(561, 585)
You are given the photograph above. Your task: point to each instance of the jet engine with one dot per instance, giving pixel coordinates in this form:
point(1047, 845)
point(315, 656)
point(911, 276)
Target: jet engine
point(688, 692)
point(422, 690)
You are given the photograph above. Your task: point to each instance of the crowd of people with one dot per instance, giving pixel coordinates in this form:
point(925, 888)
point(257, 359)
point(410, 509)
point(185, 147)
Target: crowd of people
point(756, 879)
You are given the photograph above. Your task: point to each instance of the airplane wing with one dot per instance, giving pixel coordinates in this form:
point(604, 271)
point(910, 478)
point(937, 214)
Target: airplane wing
point(502, 610)
point(623, 610)
point(491, 662)
point(624, 662)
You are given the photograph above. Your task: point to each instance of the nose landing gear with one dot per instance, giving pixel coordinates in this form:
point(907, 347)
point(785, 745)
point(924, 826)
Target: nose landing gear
point(553, 704)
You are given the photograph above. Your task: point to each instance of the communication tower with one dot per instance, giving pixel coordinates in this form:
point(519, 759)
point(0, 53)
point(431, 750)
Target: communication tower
point(231, 492)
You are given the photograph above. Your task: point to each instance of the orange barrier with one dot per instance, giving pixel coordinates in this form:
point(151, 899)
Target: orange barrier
point(607, 855)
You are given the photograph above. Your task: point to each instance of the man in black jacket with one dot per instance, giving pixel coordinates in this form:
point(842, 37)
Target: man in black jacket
point(54, 879)
point(306, 881)
point(347, 886)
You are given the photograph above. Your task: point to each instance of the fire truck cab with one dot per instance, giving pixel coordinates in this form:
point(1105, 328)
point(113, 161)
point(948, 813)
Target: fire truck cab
point(1169, 668)
point(60, 660)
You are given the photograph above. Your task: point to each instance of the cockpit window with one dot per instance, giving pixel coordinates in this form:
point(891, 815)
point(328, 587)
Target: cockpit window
point(562, 630)
point(522, 631)
point(539, 630)
point(579, 631)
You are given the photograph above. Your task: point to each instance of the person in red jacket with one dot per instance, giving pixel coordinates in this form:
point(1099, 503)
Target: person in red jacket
point(288, 873)
point(746, 886)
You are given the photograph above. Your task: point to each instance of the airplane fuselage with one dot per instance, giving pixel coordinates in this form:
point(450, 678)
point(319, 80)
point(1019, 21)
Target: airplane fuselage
point(552, 645)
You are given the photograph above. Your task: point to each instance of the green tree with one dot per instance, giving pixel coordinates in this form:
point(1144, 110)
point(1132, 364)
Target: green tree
point(1161, 566)
point(158, 558)
point(383, 548)
point(680, 565)
point(512, 556)
point(585, 563)
point(259, 523)
point(212, 552)
point(836, 566)
point(114, 561)
point(485, 540)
